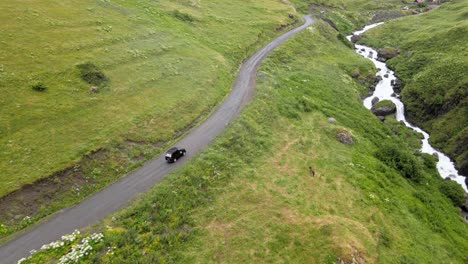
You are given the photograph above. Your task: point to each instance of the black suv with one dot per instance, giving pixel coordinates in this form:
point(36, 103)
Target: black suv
point(175, 153)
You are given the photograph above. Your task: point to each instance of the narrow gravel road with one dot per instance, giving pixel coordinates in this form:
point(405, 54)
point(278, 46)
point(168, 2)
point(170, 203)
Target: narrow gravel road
point(117, 195)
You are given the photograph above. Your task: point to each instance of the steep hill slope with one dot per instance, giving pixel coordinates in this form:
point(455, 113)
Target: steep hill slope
point(433, 65)
point(279, 186)
point(147, 59)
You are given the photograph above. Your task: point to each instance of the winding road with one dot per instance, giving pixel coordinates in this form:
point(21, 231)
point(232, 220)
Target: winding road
point(118, 194)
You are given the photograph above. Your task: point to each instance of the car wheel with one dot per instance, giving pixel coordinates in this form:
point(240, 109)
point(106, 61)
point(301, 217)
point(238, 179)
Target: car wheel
point(183, 153)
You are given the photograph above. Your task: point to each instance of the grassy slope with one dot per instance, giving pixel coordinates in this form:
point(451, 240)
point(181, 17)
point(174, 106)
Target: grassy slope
point(250, 196)
point(154, 60)
point(433, 63)
point(350, 14)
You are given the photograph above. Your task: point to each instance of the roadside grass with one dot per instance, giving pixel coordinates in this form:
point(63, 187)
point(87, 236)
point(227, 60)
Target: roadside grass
point(251, 196)
point(432, 65)
point(155, 62)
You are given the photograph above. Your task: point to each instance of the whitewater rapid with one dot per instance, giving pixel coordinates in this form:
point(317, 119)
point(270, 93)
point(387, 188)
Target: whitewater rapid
point(384, 91)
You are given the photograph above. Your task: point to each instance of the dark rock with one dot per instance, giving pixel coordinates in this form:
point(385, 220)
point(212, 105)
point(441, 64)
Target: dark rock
point(381, 118)
point(387, 53)
point(383, 108)
point(345, 137)
point(362, 49)
point(436, 156)
point(464, 206)
point(463, 169)
point(393, 95)
point(397, 85)
point(385, 75)
point(355, 38)
point(375, 100)
point(311, 171)
point(381, 59)
point(355, 74)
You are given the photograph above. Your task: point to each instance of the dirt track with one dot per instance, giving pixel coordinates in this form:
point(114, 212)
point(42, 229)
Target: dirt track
point(117, 195)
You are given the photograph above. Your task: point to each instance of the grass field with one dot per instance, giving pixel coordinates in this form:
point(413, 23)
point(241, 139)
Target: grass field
point(433, 63)
point(158, 56)
point(251, 197)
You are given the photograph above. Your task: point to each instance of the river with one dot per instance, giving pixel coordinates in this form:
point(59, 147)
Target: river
point(384, 91)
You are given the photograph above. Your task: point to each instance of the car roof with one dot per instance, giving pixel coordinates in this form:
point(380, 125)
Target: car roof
point(172, 150)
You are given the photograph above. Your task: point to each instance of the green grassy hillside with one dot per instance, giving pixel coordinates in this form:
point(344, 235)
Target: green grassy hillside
point(279, 187)
point(157, 56)
point(433, 65)
point(350, 15)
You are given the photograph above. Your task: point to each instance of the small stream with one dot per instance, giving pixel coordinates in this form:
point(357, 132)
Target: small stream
point(384, 91)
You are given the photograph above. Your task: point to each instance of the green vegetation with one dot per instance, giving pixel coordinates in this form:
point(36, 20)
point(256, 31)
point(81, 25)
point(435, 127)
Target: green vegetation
point(40, 87)
point(384, 103)
point(252, 196)
point(91, 74)
point(453, 191)
point(145, 54)
point(114, 72)
point(350, 15)
point(432, 65)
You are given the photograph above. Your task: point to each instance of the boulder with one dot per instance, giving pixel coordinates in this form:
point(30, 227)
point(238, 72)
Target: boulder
point(373, 81)
point(385, 75)
point(436, 156)
point(387, 53)
point(464, 206)
point(344, 137)
point(383, 108)
point(331, 120)
point(355, 74)
point(397, 85)
point(355, 38)
point(375, 100)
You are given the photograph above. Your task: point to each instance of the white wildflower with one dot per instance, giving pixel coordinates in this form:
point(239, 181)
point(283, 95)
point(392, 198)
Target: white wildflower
point(82, 249)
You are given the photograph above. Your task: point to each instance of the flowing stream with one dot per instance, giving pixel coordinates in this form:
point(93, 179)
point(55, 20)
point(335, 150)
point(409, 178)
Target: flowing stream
point(384, 91)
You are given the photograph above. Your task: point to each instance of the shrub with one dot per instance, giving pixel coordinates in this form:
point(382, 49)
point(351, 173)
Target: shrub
point(182, 16)
point(345, 41)
point(40, 87)
point(401, 160)
point(91, 74)
point(453, 191)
